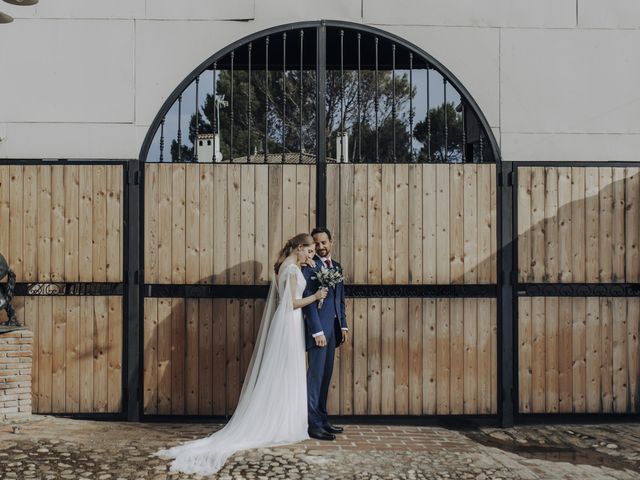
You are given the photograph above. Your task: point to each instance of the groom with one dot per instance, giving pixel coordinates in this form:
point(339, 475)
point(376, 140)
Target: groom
point(325, 329)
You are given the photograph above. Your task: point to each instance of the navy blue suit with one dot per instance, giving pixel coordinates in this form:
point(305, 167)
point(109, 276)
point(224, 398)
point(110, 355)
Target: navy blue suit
point(330, 319)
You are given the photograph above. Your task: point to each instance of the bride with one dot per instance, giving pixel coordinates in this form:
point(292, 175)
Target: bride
point(272, 408)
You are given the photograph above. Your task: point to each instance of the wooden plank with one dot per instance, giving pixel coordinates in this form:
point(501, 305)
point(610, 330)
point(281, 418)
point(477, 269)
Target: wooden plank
point(565, 260)
point(456, 336)
point(150, 353)
point(551, 355)
point(114, 355)
point(5, 203)
point(346, 365)
point(151, 224)
point(442, 356)
point(58, 224)
point(524, 224)
point(565, 374)
point(44, 222)
point(524, 354)
point(633, 352)
point(85, 223)
point(486, 257)
point(578, 237)
point(470, 224)
point(275, 214)
point(165, 228)
point(456, 223)
point(178, 353)
point(443, 273)
point(233, 352)
point(415, 224)
point(592, 367)
point(388, 224)
point(429, 357)
point(374, 387)
point(288, 202)
point(302, 197)
point(494, 224)
point(220, 221)
point(414, 334)
point(247, 225)
point(86, 338)
point(579, 351)
point(72, 360)
point(45, 353)
point(262, 259)
point(551, 253)
point(387, 355)
point(234, 226)
point(71, 224)
point(470, 353)
point(219, 370)
point(429, 225)
point(606, 369)
point(100, 354)
point(206, 224)
point(58, 360)
point(192, 357)
point(346, 226)
point(30, 273)
point(632, 224)
point(484, 367)
point(360, 356)
point(401, 361)
point(537, 224)
point(618, 233)
point(360, 228)
point(15, 253)
point(494, 356)
point(192, 225)
point(99, 217)
point(538, 354)
point(205, 356)
point(591, 224)
point(178, 227)
point(401, 250)
point(606, 224)
point(620, 366)
point(374, 224)
point(312, 197)
point(164, 355)
point(31, 321)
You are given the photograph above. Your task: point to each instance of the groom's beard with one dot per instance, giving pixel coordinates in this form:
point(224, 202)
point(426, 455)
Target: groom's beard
point(322, 253)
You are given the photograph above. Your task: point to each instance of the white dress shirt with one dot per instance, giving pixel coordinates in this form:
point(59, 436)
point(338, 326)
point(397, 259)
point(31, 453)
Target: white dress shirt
point(324, 262)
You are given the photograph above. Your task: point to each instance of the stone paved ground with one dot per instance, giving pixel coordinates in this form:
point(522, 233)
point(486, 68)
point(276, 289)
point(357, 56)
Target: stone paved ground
point(57, 448)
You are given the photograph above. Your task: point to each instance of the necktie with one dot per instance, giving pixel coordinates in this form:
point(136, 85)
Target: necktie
point(328, 263)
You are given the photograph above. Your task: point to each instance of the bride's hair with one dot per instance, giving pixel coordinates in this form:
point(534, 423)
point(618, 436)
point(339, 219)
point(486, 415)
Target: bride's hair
point(293, 243)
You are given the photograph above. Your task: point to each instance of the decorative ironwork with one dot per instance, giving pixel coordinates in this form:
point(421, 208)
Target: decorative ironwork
point(195, 140)
point(578, 289)
point(249, 48)
point(7, 291)
point(180, 128)
point(284, 94)
point(86, 289)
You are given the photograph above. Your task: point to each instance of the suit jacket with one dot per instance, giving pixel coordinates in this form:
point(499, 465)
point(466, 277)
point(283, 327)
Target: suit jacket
point(332, 314)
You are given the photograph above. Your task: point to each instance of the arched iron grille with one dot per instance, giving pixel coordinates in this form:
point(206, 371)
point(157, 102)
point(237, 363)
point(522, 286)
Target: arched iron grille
point(379, 99)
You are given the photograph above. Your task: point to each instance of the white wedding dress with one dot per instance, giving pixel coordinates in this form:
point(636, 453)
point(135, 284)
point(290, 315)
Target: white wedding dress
point(272, 408)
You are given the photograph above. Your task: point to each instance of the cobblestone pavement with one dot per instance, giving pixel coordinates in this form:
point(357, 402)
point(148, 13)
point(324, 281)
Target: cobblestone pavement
point(57, 448)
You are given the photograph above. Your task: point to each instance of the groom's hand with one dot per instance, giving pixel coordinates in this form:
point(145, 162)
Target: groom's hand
point(321, 341)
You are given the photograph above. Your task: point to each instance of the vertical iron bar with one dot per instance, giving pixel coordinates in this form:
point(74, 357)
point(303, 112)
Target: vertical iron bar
point(393, 98)
point(195, 141)
point(411, 104)
point(180, 128)
point(321, 118)
point(341, 96)
point(481, 152)
point(249, 105)
point(464, 132)
point(214, 125)
point(358, 101)
point(162, 140)
point(301, 90)
point(266, 94)
point(233, 54)
point(446, 126)
point(428, 115)
point(284, 93)
point(376, 106)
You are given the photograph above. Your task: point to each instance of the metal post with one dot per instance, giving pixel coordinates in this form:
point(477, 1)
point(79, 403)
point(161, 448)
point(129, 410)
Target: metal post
point(507, 240)
point(321, 134)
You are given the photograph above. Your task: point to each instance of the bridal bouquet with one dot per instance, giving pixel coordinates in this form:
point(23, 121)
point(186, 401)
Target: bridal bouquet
point(328, 277)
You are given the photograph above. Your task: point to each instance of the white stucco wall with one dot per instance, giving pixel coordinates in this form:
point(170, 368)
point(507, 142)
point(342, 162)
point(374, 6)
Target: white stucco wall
point(556, 79)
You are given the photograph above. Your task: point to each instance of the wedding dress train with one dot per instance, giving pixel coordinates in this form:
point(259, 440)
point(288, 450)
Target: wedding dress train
point(272, 408)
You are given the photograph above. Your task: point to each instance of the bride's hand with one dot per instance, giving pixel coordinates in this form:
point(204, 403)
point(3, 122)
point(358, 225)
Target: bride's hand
point(321, 294)
point(310, 262)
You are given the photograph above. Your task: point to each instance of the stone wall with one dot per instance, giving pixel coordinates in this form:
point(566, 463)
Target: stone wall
point(15, 374)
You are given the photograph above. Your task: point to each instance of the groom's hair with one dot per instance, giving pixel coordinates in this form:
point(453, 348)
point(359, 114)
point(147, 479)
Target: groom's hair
point(321, 230)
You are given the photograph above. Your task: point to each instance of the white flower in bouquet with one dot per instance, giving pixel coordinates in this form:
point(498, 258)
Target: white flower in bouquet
point(328, 277)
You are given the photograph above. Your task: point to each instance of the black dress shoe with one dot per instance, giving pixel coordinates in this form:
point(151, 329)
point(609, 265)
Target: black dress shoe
point(333, 429)
point(321, 434)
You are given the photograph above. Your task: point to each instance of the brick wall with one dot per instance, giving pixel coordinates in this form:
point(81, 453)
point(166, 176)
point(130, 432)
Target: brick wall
point(15, 374)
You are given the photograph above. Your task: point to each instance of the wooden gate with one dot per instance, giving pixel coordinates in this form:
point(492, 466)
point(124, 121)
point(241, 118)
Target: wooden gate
point(62, 235)
point(578, 273)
